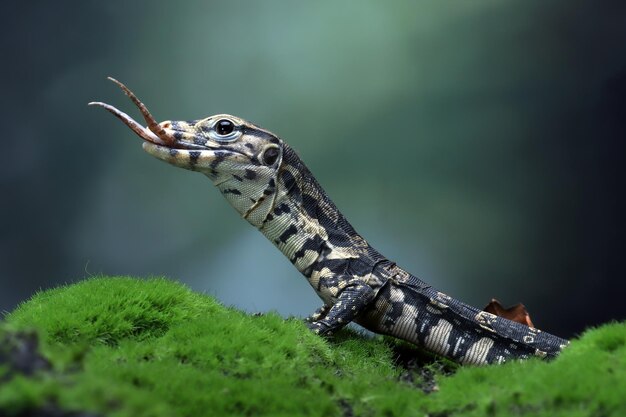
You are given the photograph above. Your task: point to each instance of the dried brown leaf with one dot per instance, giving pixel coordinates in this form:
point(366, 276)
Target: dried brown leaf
point(517, 313)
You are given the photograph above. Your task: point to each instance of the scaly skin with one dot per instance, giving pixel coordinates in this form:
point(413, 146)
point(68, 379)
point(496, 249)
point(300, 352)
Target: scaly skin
point(270, 187)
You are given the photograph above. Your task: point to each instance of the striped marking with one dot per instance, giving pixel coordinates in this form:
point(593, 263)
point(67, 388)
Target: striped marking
point(477, 353)
point(437, 339)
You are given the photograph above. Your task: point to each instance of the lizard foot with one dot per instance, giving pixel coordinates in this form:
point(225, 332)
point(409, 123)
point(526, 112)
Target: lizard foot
point(319, 314)
point(319, 328)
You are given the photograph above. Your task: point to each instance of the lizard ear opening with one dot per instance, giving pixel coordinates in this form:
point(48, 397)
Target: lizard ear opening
point(270, 155)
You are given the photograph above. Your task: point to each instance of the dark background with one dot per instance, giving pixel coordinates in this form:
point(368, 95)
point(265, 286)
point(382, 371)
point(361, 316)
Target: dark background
point(478, 144)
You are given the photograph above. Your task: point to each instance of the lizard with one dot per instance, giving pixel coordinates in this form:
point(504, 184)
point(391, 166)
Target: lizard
point(267, 183)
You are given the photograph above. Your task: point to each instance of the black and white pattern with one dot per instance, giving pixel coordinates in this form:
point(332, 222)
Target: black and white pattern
point(279, 196)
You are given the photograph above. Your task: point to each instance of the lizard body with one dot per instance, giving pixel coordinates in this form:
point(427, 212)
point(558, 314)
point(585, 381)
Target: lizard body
point(267, 183)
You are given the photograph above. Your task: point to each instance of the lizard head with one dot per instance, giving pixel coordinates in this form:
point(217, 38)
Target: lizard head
point(240, 158)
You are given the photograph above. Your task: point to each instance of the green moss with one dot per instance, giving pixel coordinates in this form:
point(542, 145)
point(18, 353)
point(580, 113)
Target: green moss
point(127, 347)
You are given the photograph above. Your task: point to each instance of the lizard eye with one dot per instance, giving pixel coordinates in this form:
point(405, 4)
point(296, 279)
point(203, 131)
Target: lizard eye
point(224, 130)
point(224, 127)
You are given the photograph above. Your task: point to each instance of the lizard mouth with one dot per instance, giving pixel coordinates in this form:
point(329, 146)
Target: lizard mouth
point(155, 133)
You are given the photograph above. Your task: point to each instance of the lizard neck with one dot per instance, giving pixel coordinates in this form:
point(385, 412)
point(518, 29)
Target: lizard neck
point(305, 224)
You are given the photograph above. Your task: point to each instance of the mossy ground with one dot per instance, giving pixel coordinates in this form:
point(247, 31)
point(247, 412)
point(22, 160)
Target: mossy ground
point(128, 347)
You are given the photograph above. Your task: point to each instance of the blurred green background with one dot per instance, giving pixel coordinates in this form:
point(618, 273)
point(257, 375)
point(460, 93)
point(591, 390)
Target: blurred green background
point(478, 144)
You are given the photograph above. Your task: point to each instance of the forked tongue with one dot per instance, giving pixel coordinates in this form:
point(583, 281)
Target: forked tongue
point(153, 133)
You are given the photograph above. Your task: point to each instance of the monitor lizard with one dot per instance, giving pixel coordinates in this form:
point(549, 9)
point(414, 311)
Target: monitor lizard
point(264, 179)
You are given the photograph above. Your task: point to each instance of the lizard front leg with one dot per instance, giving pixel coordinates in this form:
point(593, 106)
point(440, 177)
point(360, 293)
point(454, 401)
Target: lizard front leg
point(352, 299)
point(319, 314)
